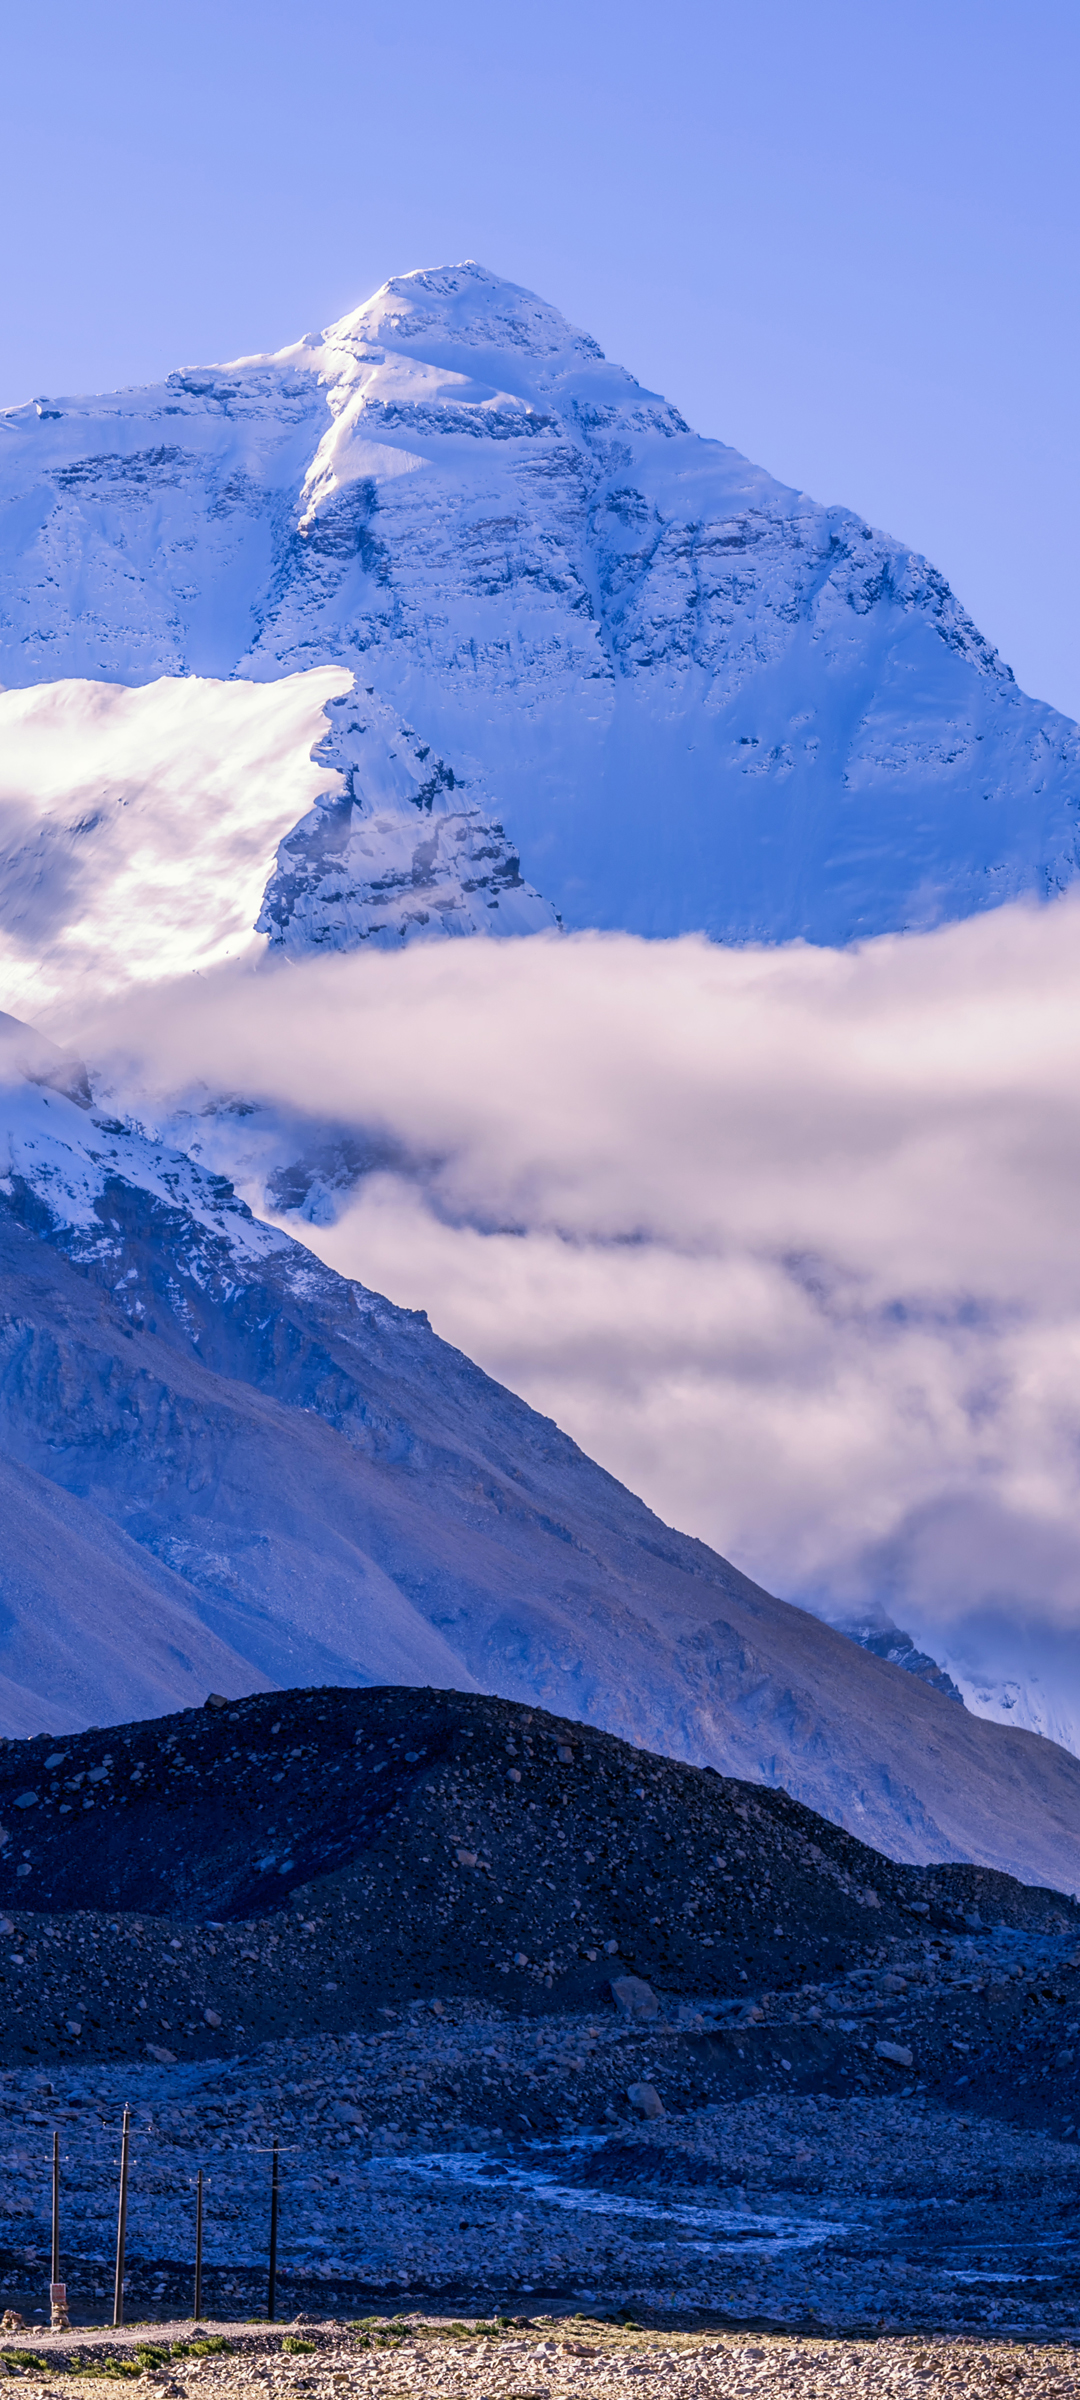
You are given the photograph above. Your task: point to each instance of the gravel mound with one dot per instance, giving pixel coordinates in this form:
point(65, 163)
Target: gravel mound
point(299, 1862)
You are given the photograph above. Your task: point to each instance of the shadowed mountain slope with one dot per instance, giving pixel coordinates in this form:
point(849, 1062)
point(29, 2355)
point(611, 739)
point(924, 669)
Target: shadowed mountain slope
point(341, 1497)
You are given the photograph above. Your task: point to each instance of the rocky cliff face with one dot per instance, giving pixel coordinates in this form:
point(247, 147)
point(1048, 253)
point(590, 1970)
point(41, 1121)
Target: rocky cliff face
point(691, 696)
point(400, 853)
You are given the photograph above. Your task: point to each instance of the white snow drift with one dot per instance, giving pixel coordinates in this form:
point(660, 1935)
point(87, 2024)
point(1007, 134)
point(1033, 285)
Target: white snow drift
point(138, 828)
point(147, 832)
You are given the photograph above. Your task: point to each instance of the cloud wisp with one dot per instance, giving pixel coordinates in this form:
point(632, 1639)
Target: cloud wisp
point(786, 1238)
point(138, 825)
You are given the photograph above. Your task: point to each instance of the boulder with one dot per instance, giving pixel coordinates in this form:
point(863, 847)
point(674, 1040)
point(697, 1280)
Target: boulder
point(895, 2052)
point(646, 2099)
point(634, 1997)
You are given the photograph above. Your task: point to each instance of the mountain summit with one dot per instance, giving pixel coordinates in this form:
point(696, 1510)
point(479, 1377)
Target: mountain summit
point(674, 693)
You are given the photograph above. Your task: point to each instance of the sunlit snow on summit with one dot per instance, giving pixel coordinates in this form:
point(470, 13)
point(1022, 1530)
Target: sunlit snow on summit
point(691, 698)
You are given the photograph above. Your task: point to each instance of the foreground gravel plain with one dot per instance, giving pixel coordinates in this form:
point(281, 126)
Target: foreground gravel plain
point(554, 2358)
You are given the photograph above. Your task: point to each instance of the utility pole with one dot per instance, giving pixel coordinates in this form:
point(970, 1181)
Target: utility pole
point(58, 2308)
point(271, 2296)
point(121, 2224)
point(198, 2247)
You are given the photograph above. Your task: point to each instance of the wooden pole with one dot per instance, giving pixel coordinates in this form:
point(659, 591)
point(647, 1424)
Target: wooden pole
point(121, 2224)
point(58, 2308)
point(198, 2247)
point(271, 2296)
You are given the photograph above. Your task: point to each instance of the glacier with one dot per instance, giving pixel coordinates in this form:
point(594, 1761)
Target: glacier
point(673, 693)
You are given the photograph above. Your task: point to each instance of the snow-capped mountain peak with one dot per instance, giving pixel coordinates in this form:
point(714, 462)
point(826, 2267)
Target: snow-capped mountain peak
point(465, 308)
point(693, 698)
point(458, 350)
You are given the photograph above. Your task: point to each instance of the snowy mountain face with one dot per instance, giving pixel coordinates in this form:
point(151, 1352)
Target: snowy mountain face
point(401, 855)
point(891, 1642)
point(279, 1478)
point(1039, 1693)
point(146, 832)
point(671, 692)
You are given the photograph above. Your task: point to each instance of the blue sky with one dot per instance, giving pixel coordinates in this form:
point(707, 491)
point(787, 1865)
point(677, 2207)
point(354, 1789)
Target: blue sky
point(843, 237)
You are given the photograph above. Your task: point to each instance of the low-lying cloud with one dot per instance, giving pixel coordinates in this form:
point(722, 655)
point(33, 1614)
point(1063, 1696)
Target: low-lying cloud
point(789, 1239)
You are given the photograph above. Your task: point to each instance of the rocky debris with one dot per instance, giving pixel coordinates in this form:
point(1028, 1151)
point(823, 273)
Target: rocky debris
point(514, 1900)
point(506, 2163)
point(551, 2356)
point(302, 1861)
point(793, 2211)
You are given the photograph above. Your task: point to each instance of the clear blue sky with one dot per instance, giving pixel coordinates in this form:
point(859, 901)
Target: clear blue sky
point(841, 234)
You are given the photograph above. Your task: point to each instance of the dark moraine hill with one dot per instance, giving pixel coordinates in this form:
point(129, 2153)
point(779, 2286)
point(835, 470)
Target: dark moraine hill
point(297, 1861)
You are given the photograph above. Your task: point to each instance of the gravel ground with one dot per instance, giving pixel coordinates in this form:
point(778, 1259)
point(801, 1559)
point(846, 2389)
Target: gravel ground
point(781, 2207)
point(553, 2358)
